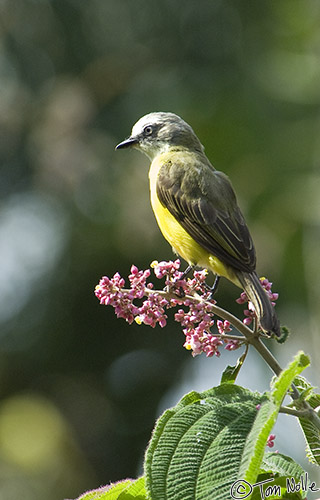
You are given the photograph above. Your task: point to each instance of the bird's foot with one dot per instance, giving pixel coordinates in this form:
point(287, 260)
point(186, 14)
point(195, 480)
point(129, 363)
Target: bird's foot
point(212, 289)
point(187, 271)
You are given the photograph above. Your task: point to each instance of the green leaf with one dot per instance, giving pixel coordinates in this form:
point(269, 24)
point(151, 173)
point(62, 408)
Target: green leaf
point(136, 490)
point(279, 468)
point(211, 439)
point(282, 465)
point(255, 446)
point(231, 372)
point(302, 384)
point(256, 442)
point(196, 447)
point(310, 431)
point(281, 384)
point(271, 482)
point(312, 435)
point(128, 489)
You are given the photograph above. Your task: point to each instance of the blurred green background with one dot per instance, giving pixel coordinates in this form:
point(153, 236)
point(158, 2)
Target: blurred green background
point(79, 389)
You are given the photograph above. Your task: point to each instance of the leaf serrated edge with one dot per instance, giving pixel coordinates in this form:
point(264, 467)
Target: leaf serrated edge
point(279, 388)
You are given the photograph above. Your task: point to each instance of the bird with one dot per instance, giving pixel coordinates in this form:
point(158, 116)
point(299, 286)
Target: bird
point(197, 210)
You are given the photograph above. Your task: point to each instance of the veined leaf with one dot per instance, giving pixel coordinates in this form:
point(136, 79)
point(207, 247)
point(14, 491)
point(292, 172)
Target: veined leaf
point(196, 448)
point(277, 470)
point(311, 432)
point(129, 489)
point(230, 373)
point(255, 446)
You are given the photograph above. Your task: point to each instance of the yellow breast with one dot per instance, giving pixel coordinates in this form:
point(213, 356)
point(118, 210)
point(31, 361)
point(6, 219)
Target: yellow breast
point(181, 242)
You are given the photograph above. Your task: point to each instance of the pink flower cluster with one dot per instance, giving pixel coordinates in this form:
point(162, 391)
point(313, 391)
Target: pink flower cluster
point(141, 303)
point(243, 299)
point(197, 322)
point(111, 291)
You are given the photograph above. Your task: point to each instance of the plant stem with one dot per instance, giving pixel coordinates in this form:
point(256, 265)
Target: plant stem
point(231, 337)
point(308, 412)
point(293, 411)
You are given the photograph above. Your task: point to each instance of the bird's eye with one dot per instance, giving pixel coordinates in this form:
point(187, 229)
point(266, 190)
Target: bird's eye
point(148, 130)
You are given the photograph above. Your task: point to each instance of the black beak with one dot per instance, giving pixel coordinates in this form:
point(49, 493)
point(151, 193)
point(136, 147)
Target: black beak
point(127, 143)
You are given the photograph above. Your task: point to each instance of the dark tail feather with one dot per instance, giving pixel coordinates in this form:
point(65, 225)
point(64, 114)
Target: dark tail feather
point(265, 312)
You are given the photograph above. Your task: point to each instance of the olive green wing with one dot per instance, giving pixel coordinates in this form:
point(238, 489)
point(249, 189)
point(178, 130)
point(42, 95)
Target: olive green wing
point(204, 203)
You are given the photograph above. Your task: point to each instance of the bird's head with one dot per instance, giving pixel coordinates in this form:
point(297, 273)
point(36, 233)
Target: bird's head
point(156, 133)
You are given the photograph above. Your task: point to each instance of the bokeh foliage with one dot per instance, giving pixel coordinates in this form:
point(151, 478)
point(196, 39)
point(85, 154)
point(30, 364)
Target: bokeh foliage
point(74, 76)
